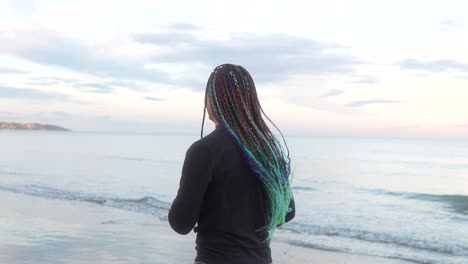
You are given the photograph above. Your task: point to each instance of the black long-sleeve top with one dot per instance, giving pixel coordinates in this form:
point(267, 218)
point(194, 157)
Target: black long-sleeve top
point(219, 192)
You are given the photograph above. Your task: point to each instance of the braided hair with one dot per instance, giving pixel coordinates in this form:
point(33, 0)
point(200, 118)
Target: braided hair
point(232, 95)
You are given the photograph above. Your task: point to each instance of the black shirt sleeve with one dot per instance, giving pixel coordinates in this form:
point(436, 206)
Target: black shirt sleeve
point(196, 175)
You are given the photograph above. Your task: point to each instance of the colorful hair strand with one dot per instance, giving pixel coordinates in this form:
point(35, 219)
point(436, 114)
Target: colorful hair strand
point(236, 107)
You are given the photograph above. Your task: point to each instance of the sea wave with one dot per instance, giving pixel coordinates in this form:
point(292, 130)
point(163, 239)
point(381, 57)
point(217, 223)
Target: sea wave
point(140, 159)
point(302, 188)
point(459, 203)
point(304, 244)
point(159, 208)
point(146, 204)
point(17, 173)
point(376, 237)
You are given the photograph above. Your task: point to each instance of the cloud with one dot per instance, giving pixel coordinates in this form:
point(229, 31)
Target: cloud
point(367, 80)
point(167, 38)
point(317, 99)
point(7, 70)
point(55, 117)
point(52, 80)
point(31, 94)
point(25, 7)
point(43, 81)
point(434, 66)
point(102, 88)
point(49, 48)
point(450, 25)
point(5, 114)
point(367, 102)
point(461, 125)
point(181, 26)
point(333, 92)
point(176, 33)
point(62, 115)
point(269, 58)
point(154, 98)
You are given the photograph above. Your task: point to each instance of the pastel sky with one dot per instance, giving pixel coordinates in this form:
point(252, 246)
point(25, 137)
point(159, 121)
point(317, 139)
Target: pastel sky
point(365, 68)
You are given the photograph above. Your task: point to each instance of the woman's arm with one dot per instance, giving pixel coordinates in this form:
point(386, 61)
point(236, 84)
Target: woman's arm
point(196, 175)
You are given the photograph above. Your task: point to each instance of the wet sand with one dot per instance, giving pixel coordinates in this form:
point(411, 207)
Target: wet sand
point(39, 230)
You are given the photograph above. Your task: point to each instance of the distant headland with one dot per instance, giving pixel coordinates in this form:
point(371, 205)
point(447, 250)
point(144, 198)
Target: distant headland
point(30, 126)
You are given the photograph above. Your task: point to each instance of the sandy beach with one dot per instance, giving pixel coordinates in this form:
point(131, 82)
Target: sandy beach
point(285, 253)
point(40, 230)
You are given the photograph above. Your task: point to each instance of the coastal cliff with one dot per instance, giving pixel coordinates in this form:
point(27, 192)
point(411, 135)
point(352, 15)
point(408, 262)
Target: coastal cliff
point(30, 126)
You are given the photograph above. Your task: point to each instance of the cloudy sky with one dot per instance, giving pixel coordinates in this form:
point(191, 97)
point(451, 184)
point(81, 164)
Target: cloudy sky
point(365, 68)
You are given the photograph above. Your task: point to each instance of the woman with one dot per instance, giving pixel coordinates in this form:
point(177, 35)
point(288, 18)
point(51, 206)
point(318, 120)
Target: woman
point(235, 181)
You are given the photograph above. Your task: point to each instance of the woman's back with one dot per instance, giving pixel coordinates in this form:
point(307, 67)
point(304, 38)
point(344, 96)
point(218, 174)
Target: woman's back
point(233, 207)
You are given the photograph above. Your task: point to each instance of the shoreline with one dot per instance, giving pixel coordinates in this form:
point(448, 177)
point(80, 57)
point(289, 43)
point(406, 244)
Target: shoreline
point(287, 253)
point(42, 230)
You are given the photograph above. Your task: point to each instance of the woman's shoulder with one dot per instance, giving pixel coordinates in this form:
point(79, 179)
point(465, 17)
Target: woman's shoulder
point(217, 136)
point(213, 143)
point(214, 140)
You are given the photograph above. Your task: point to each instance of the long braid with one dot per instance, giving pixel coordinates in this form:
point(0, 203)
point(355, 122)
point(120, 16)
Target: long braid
point(204, 116)
point(203, 121)
point(232, 95)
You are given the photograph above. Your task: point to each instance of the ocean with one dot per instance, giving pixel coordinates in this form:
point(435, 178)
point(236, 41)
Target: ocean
point(402, 199)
